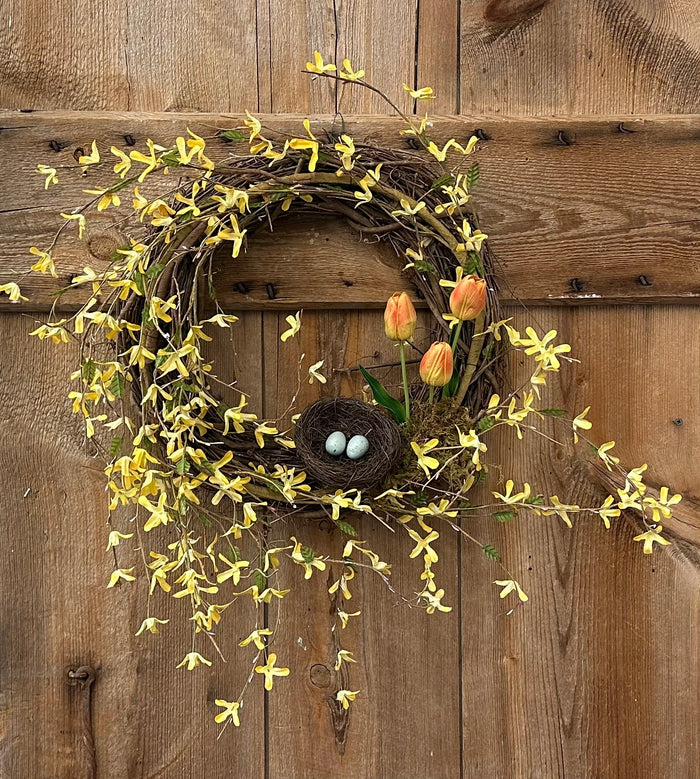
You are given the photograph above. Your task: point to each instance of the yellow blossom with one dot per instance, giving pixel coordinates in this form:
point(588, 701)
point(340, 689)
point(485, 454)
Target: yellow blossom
point(608, 459)
point(151, 624)
point(343, 656)
point(345, 697)
point(45, 262)
point(257, 638)
point(80, 219)
point(49, 172)
point(434, 601)
point(407, 209)
point(426, 462)
point(510, 585)
point(607, 513)
point(262, 430)
point(651, 537)
point(115, 537)
point(318, 65)
point(234, 570)
point(151, 161)
point(119, 574)
point(314, 373)
point(306, 558)
point(193, 660)
point(344, 617)
point(581, 423)
point(348, 74)
point(270, 670)
point(424, 93)
point(90, 159)
point(230, 711)
point(122, 167)
point(509, 497)
point(294, 322)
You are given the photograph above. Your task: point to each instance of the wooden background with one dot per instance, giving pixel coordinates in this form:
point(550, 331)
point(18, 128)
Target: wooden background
point(599, 677)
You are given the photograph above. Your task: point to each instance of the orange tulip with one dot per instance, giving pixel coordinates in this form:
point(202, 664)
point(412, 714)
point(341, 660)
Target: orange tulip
point(468, 298)
point(436, 365)
point(399, 317)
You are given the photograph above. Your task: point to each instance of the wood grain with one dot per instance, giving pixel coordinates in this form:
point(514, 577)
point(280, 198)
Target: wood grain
point(542, 57)
point(578, 211)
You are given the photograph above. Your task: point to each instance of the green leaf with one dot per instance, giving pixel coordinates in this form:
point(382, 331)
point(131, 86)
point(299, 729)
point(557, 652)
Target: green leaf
point(472, 175)
point(480, 476)
point(307, 554)
point(233, 553)
point(485, 423)
point(259, 579)
point(423, 266)
point(171, 158)
point(182, 466)
point(117, 385)
point(505, 516)
point(232, 136)
point(450, 389)
point(491, 552)
point(384, 398)
point(345, 527)
point(552, 412)
point(474, 264)
point(88, 369)
point(535, 500)
point(115, 446)
point(155, 270)
point(443, 181)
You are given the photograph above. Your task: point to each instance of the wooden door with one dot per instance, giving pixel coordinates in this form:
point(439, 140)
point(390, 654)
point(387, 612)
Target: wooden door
point(593, 217)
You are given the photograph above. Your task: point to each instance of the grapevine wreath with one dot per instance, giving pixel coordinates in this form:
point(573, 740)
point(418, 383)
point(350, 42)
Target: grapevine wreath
point(205, 479)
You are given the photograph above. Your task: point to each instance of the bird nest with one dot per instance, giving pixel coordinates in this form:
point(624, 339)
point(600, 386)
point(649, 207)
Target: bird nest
point(351, 417)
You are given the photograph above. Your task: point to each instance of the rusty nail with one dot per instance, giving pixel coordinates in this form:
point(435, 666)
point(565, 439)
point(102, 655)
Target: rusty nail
point(563, 139)
point(129, 140)
point(241, 287)
point(677, 421)
point(622, 129)
point(576, 285)
point(56, 146)
point(481, 135)
point(644, 281)
point(271, 291)
point(78, 153)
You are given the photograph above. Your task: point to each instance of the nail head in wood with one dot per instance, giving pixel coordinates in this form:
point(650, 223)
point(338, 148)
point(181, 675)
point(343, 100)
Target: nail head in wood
point(563, 138)
point(129, 140)
point(241, 287)
point(481, 135)
point(644, 281)
point(576, 285)
point(271, 291)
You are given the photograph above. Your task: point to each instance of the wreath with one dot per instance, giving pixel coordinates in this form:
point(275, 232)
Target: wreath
point(209, 481)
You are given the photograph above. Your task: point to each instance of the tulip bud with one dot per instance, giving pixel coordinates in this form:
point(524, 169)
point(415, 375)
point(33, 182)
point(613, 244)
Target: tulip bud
point(468, 298)
point(436, 365)
point(399, 317)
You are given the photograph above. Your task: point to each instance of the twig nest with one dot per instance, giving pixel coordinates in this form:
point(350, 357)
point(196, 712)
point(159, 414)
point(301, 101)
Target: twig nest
point(355, 420)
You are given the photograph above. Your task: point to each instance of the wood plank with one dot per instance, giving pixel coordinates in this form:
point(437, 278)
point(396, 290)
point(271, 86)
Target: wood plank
point(612, 215)
point(149, 718)
point(125, 57)
point(391, 670)
point(557, 689)
point(539, 57)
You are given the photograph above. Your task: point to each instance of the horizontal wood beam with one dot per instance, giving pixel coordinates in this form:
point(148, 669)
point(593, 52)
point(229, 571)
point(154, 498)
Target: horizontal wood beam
point(588, 210)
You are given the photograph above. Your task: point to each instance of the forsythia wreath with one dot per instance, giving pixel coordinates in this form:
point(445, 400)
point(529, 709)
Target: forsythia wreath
point(203, 477)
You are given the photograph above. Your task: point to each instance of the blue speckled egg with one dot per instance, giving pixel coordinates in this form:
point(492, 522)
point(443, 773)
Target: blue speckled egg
point(335, 443)
point(358, 446)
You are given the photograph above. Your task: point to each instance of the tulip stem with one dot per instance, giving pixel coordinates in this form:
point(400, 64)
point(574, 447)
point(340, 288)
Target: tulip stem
point(455, 336)
point(431, 392)
point(404, 377)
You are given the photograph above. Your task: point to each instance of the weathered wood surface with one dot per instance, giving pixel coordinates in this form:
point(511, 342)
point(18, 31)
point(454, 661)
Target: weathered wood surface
point(600, 675)
point(597, 210)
